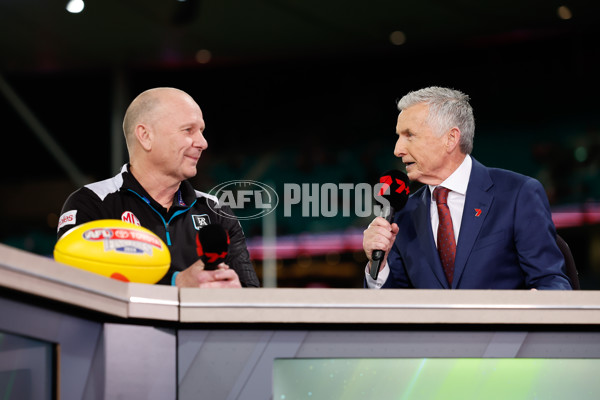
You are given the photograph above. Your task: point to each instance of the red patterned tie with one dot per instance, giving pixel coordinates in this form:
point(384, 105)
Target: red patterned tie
point(445, 234)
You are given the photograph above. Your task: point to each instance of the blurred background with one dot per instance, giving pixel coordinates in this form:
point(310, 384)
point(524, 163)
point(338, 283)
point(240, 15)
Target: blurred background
point(299, 91)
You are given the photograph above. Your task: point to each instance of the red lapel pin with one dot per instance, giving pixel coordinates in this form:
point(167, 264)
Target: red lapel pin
point(477, 212)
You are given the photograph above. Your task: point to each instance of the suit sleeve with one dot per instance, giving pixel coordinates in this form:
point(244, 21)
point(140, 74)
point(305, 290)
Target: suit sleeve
point(398, 277)
point(535, 240)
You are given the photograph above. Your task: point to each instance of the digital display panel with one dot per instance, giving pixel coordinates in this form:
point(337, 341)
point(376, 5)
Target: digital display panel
point(27, 368)
point(436, 378)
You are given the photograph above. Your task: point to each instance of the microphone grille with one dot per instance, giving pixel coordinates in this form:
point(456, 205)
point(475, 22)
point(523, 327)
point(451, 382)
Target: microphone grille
point(395, 188)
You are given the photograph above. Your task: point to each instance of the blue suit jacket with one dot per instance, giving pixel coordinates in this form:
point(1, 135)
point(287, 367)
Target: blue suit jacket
point(509, 244)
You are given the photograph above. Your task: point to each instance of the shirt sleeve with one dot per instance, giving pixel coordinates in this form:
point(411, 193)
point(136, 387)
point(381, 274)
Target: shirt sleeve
point(238, 257)
point(81, 206)
point(381, 277)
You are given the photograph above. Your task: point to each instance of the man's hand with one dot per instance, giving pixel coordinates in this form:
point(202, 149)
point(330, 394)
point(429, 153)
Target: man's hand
point(380, 235)
point(196, 276)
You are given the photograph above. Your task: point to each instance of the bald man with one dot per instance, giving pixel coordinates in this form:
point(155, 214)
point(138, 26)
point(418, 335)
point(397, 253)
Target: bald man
point(163, 129)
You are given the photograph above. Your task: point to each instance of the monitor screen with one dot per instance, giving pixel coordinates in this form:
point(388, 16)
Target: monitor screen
point(435, 378)
point(27, 368)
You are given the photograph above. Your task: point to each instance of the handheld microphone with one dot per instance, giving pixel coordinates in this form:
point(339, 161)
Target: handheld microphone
point(212, 245)
point(394, 189)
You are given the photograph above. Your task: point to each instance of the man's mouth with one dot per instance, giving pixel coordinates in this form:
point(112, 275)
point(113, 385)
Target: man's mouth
point(194, 157)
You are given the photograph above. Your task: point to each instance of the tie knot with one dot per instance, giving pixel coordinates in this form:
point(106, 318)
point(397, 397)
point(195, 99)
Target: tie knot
point(440, 194)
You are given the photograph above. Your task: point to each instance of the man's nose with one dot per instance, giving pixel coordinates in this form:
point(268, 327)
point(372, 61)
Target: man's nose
point(200, 141)
point(399, 149)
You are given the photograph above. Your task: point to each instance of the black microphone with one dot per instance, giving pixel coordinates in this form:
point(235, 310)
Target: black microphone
point(212, 245)
point(394, 189)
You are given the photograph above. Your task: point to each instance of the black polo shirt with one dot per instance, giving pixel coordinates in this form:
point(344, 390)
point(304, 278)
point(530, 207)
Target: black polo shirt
point(122, 197)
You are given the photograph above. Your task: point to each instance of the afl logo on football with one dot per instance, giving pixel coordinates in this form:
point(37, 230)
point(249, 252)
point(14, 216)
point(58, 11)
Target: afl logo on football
point(128, 216)
point(98, 234)
point(247, 199)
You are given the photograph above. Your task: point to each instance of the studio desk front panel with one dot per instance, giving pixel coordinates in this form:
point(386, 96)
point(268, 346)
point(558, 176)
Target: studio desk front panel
point(127, 340)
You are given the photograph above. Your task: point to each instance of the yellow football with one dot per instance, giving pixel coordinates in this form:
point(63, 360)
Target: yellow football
point(115, 249)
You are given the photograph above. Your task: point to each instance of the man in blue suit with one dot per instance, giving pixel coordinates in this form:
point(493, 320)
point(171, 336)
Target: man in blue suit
point(490, 229)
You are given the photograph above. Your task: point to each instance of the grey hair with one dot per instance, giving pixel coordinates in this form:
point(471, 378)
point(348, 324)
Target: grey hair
point(448, 108)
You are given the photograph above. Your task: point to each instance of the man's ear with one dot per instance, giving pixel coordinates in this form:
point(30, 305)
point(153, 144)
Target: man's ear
point(453, 139)
point(143, 136)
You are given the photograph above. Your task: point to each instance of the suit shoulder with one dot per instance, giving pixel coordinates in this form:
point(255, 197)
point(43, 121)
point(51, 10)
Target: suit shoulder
point(513, 179)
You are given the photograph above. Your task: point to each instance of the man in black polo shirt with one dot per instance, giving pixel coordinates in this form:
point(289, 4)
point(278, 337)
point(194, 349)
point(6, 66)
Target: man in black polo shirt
point(164, 133)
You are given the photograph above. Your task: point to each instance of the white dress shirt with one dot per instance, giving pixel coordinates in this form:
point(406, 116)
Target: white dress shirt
point(457, 183)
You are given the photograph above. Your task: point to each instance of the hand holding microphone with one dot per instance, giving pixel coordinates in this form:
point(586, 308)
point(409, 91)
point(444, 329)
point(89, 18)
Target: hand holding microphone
point(393, 196)
point(212, 245)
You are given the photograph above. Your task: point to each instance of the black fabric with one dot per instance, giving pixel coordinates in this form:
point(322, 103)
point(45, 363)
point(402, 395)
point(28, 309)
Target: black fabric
point(122, 196)
point(569, 262)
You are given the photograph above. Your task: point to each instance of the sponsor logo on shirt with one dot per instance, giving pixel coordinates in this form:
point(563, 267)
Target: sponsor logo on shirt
point(128, 216)
point(68, 218)
point(200, 221)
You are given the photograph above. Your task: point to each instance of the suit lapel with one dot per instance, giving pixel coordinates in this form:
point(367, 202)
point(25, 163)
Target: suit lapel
point(422, 222)
point(477, 204)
